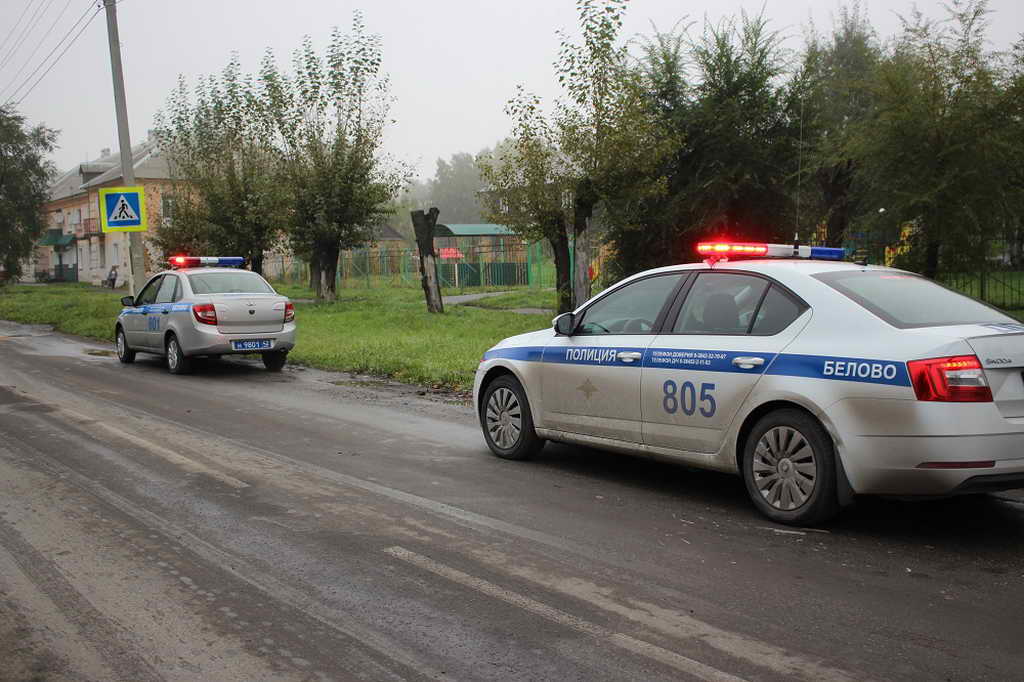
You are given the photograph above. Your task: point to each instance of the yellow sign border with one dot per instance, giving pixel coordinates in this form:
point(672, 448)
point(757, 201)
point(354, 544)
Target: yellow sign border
point(143, 225)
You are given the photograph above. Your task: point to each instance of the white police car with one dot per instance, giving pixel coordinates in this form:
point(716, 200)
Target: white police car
point(206, 305)
point(813, 379)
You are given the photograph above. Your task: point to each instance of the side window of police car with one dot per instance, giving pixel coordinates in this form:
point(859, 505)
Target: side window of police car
point(168, 288)
point(633, 309)
point(148, 294)
point(720, 303)
point(778, 310)
point(731, 303)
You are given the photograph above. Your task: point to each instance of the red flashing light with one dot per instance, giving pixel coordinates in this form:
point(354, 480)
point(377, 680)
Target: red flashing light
point(958, 379)
point(289, 311)
point(725, 249)
point(205, 313)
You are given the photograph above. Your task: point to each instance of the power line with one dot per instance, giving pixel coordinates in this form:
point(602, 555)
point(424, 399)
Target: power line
point(25, 32)
point(50, 54)
point(28, 3)
point(39, 44)
point(54, 63)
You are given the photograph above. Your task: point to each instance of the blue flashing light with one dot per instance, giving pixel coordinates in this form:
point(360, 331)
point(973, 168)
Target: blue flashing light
point(237, 261)
point(827, 253)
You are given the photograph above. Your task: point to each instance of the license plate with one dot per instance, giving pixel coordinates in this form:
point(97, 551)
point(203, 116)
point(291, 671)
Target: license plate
point(254, 344)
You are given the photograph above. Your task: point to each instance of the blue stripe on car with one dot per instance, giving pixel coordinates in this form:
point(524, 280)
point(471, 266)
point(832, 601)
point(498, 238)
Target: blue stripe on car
point(157, 308)
point(862, 370)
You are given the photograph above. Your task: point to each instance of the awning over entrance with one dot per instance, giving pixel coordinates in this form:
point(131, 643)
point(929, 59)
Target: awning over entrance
point(57, 240)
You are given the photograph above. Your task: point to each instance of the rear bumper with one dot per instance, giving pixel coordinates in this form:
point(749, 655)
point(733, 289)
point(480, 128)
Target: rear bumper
point(210, 341)
point(884, 443)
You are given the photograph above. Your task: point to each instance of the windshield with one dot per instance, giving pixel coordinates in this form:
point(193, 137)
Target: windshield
point(906, 300)
point(240, 282)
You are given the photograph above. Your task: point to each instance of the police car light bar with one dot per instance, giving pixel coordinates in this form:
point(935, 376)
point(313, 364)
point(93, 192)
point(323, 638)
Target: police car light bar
point(720, 250)
point(198, 261)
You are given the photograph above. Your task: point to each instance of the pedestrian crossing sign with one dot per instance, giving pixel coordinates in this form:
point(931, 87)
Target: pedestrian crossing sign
point(122, 209)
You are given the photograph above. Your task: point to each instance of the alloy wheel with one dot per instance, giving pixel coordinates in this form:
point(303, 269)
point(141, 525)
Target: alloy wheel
point(172, 353)
point(504, 418)
point(785, 468)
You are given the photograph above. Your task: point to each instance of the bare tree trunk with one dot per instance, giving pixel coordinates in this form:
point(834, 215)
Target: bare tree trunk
point(424, 224)
point(581, 277)
point(314, 275)
point(584, 201)
point(563, 268)
point(329, 272)
point(256, 261)
point(836, 187)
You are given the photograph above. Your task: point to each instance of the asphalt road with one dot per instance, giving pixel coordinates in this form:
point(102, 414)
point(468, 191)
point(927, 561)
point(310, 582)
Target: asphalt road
point(241, 525)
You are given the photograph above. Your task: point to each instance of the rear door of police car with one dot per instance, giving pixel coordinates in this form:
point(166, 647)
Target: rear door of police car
point(717, 341)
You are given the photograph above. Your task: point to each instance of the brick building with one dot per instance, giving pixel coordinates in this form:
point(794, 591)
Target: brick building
point(74, 248)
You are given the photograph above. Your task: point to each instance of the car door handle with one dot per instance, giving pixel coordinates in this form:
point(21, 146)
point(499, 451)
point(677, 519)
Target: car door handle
point(747, 363)
point(628, 356)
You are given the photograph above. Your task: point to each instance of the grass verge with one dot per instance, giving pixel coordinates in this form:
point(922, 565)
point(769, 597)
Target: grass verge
point(523, 298)
point(386, 332)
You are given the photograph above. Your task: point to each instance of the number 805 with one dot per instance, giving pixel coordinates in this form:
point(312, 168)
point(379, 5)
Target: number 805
point(684, 396)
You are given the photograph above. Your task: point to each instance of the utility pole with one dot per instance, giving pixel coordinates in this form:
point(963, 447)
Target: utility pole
point(136, 261)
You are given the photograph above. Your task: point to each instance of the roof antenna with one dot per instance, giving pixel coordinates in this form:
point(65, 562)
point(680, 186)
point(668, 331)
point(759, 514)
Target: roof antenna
point(799, 180)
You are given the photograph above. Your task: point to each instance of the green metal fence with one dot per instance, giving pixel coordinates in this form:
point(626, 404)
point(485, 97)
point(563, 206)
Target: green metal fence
point(464, 265)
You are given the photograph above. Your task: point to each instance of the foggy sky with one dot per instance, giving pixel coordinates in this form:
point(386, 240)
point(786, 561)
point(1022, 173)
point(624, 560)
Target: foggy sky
point(452, 63)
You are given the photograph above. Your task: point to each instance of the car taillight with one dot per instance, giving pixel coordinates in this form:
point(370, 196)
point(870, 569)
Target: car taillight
point(957, 379)
point(205, 313)
point(289, 311)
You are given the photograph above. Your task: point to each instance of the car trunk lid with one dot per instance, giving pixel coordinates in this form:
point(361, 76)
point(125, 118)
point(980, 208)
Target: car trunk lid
point(1001, 353)
point(249, 313)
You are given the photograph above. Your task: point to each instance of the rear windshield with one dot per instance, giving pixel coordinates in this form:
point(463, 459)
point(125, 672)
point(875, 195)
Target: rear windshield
point(906, 301)
point(240, 282)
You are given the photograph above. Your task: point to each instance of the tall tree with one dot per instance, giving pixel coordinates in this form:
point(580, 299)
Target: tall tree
point(834, 87)
point(725, 96)
point(943, 147)
point(455, 189)
point(610, 138)
point(330, 116)
point(528, 188)
point(25, 176)
point(228, 195)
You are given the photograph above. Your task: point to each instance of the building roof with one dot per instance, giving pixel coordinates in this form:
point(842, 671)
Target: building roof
point(386, 233)
point(146, 158)
point(472, 230)
point(147, 161)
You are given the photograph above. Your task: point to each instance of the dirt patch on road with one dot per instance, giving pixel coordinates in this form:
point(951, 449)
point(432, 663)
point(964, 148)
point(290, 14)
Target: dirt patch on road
point(26, 658)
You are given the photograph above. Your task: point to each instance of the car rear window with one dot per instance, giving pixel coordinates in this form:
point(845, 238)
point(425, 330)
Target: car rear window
point(907, 301)
point(229, 283)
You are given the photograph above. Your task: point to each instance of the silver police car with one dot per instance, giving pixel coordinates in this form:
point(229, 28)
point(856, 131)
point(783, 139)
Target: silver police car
point(200, 307)
point(814, 380)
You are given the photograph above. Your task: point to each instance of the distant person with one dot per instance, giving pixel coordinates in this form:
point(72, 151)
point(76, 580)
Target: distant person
point(112, 277)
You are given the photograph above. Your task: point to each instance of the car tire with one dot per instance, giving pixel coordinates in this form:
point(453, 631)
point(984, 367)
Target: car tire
point(789, 468)
point(274, 361)
point(507, 421)
point(124, 353)
point(177, 361)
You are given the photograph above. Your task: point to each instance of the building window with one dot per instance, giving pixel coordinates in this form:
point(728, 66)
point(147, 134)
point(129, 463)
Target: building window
point(167, 208)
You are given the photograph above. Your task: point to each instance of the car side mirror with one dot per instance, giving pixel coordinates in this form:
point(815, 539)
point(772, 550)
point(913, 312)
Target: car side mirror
point(128, 301)
point(565, 324)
